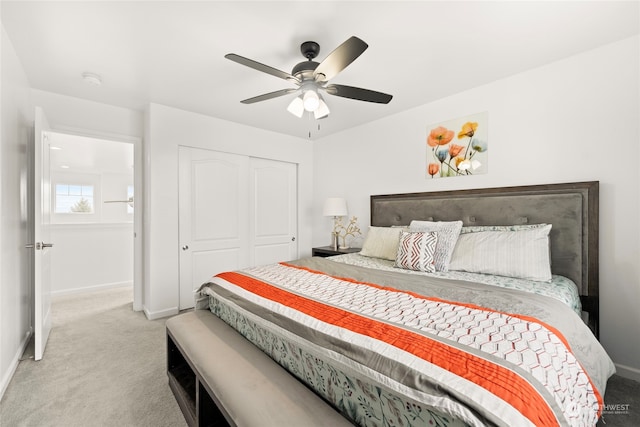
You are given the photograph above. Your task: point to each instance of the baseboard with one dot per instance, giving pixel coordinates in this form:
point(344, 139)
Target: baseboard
point(628, 372)
point(6, 379)
point(154, 315)
point(93, 288)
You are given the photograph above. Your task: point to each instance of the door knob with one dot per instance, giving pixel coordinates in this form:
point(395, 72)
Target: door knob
point(185, 247)
point(293, 239)
point(38, 245)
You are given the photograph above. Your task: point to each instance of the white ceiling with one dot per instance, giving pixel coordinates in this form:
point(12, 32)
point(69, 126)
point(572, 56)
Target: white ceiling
point(172, 52)
point(83, 155)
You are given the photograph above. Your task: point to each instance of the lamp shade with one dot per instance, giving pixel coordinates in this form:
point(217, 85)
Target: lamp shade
point(322, 110)
point(335, 206)
point(296, 107)
point(310, 100)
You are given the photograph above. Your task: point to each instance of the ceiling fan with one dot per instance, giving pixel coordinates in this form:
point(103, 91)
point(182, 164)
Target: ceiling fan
point(312, 78)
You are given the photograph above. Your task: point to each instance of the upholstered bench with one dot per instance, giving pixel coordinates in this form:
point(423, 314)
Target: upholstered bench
point(220, 378)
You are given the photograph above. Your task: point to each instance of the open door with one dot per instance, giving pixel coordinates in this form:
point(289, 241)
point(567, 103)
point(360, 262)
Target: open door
point(41, 232)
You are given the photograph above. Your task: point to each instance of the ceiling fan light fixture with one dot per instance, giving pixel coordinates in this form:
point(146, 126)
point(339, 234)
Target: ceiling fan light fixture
point(311, 77)
point(296, 107)
point(311, 100)
point(322, 110)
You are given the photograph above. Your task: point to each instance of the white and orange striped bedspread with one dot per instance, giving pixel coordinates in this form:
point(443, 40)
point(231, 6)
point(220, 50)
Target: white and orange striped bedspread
point(474, 353)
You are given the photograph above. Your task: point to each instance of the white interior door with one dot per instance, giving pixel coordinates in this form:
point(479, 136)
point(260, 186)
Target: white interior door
point(42, 243)
point(213, 216)
point(274, 223)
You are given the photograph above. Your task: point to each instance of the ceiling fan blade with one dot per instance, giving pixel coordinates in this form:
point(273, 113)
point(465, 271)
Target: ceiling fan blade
point(260, 67)
point(340, 58)
point(358, 93)
point(269, 95)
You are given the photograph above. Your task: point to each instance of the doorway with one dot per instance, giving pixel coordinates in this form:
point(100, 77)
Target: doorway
point(92, 213)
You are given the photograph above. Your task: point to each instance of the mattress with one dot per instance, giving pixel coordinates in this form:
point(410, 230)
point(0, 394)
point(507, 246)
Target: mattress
point(395, 349)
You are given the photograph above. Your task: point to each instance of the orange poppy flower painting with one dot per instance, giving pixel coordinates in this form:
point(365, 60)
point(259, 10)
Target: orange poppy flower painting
point(458, 147)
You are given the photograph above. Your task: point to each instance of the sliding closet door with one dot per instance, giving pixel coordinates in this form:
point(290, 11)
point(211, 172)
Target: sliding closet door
point(273, 205)
point(234, 211)
point(213, 215)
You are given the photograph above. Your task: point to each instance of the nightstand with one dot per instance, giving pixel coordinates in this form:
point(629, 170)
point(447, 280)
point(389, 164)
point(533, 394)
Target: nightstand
point(326, 251)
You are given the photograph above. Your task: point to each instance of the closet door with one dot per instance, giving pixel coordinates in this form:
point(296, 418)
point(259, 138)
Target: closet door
point(213, 216)
point(273, 206)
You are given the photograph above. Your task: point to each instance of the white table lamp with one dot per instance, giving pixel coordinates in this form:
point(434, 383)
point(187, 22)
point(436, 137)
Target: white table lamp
point(335, 207)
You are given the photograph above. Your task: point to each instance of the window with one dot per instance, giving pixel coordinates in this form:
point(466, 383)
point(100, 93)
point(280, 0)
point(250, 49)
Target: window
point(74, 199)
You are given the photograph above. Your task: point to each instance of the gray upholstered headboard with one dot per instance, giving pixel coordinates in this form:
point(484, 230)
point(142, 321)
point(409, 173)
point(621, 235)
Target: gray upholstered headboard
point(571, 208)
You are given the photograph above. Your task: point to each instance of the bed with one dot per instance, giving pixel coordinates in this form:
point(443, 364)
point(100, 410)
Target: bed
point(388, 341)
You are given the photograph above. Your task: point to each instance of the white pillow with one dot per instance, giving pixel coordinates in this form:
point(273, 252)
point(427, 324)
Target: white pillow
point(416, 250)
point(517, 227)
point(523, 253)
point(448, 232)
point(381, 242)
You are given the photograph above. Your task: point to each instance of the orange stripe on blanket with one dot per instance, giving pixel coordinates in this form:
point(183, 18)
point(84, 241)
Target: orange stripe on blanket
point(494, 378)
point(555, 331)
point(435, 299)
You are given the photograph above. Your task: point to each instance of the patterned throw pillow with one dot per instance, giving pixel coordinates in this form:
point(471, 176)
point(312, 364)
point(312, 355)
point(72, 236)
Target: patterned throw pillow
point(416, 251)
point(448, 232)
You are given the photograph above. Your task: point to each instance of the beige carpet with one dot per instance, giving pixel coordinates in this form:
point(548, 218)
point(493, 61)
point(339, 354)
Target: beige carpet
point(104, 365)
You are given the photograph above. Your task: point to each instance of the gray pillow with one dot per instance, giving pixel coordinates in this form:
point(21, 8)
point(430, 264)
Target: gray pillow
point(448, 232)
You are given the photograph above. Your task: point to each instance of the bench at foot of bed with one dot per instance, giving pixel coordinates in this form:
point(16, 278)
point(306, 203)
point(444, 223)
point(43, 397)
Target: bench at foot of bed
point(219, 378)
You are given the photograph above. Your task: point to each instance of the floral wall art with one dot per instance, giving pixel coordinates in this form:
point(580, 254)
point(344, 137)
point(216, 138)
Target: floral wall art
point(458, 147)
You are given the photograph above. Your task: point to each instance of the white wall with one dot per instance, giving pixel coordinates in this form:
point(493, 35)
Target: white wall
point(573, 120)
point(91, 256)
point(97, 253)
point(166, 129)
point(67, 113)
point(16, 118)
